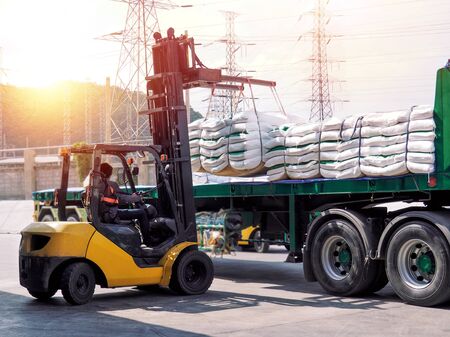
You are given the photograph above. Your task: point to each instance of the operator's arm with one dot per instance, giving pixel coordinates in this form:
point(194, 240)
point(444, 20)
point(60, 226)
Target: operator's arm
point(124, 198)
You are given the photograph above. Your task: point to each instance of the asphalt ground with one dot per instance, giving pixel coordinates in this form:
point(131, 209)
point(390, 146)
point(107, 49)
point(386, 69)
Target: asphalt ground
point(252, 295)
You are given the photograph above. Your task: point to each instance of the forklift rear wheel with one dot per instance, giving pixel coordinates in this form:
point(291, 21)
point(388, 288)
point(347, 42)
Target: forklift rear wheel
point(192, 273)
point(78, 283)
point(43, 295)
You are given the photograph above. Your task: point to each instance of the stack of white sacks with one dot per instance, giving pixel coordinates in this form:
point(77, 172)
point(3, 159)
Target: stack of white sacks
point(378, 144)
point(194, 144)
point(302, 151)
point(234, 146)
point(275, 150)
point(397, 143)
point(339, 150)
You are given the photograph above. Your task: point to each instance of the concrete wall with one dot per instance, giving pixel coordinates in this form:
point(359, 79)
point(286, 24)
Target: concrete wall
point(21, 176)
point(11, 181)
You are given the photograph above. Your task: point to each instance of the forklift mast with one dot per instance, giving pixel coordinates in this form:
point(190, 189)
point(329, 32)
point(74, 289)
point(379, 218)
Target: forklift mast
point(177, 67)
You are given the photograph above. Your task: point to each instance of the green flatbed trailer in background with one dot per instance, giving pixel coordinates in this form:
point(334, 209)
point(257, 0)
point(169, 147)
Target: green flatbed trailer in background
point(347, 242)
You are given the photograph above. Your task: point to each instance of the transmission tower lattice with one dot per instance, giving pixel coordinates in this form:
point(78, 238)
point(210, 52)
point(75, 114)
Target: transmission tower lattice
point(224, 102)
point(320, 101)
point(128, 94)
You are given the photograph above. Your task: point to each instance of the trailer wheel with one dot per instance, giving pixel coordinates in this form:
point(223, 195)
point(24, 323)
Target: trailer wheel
point(417, 264)
point(78, 283)
point(259, 246)
point(192, 273)
point(338, 259)
point(43, 295)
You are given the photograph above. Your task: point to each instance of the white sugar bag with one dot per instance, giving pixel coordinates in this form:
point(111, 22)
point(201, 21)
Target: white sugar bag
point(383, 150)
point(195, 163)
point(421, 146)
point(243, 155)
point(349, 144)
point(390, 170)
point(303, 129)
point(195, 125)
point(423, 158)
point(214, 135)
point(422, 136)
point(213, 144)
point(278, 173)
point(420, 167)
point(295, 174)
point(215, 124)
point(248, 163)
point(298, 151)
point(330, 135)
point(274, 153)
point(310, 138)
point(383, 141)
point(380, 161)
point(386, 119)
point(194, 143)
point(195, 134)
point(307, 157)
point(331, 124)
point(274, 161)
point(329, 146)
point(213, 153)
point(304, 167)
point(422, 112)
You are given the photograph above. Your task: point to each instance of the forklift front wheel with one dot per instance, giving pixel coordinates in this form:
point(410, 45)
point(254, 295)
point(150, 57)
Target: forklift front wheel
point(78, 283)
point(192, 273)
point(43, 295)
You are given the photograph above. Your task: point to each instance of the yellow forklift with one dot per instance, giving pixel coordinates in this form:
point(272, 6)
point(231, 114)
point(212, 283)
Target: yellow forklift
point(75, 256)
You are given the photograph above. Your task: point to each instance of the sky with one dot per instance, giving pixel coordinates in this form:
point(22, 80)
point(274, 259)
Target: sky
point(385, 53)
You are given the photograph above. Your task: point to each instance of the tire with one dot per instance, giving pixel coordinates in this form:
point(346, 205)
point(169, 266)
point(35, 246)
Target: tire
point(380, 280)
point(338, 259)
point(260, 247)
point(73, 217)
point(43, 295)
point(192, 273)
point(78, 283)
point(47, 218)
point(417, 264)
point(288, 247)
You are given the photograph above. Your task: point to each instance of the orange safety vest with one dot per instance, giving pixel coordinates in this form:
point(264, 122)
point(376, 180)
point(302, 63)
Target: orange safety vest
point(112, 199)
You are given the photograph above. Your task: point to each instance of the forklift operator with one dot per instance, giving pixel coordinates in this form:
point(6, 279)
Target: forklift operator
point(113, 196)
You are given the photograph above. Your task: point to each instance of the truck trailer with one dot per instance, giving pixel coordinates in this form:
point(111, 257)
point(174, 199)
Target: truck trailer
point(346, 238)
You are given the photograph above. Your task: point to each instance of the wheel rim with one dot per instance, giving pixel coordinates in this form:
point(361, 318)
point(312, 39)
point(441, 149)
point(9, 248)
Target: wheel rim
point(336, 257)
point(416, 264)
point(258, 245)
point(195, 273)
point(82, 284)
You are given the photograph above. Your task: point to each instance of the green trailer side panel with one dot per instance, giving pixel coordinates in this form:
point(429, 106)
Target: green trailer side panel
point(442, 119)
